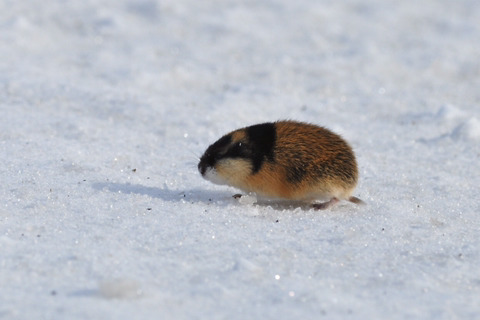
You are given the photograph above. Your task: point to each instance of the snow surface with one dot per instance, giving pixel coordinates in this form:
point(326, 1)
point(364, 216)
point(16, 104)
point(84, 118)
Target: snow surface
point(107, 105)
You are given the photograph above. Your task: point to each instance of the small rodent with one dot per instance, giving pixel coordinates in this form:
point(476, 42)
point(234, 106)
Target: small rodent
point(286, 160)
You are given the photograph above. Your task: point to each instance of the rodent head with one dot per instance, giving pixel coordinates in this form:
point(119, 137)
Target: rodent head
point(238, 154)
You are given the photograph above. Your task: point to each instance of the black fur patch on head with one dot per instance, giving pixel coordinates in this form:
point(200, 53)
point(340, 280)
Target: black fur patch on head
point(213, 153)
point(221, 143)
point(262, 138)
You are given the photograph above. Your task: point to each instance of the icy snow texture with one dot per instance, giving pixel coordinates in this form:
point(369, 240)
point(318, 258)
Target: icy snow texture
point(106, 105)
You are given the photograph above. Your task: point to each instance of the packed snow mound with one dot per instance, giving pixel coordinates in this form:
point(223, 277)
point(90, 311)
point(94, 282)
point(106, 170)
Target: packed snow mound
point(449, 113)
point(469, 129)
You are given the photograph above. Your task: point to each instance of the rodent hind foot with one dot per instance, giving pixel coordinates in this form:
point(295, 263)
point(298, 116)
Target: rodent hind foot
point(356, 200)
point(325, 205)
point(333, 201)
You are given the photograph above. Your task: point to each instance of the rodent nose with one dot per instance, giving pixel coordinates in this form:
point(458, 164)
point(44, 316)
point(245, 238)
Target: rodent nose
point(202, 167)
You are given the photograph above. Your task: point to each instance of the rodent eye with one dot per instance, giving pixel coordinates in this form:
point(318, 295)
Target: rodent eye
point(239, 146)
point(237, 150)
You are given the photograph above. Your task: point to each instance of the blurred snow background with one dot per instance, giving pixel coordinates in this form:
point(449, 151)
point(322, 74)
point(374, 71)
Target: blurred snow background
point(106, 105)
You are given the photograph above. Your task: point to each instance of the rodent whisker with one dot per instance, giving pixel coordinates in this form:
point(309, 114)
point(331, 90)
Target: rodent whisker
point(194, 155)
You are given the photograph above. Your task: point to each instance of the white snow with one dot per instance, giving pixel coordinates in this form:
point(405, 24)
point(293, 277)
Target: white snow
point(105, 107)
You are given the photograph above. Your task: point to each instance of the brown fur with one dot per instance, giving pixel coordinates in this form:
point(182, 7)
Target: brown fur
point(308, 163)
point(310, 147)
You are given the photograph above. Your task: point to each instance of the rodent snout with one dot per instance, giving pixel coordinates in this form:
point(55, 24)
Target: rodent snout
point(205, 162)
point(202, 167)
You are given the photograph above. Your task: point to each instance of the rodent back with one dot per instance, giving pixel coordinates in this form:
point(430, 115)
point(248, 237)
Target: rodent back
point(313, 153)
